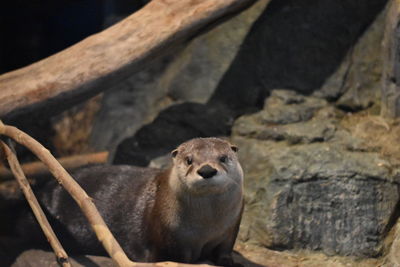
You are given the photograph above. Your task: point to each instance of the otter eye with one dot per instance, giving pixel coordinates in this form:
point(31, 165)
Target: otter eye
point(223, 159)
point(189, 161)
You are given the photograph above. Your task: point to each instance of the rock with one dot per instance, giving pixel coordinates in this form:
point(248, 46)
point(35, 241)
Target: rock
point(312, 199)
point(315, 130)
point(390, 107)
point(128, 105)
point(357, 82)
point(287, 116)
point(392, 259)
point(190, 73)
point(325, 203)
point(201, 65)
point(73, 128)
point(285, 106)
point(296, 45)
point(172, 127)
point(377, 134)
point(209, 70)
point(261, 256)
point(305, 189)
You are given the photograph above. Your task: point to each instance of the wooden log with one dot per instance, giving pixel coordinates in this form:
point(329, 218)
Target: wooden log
point(391, 63)
point(94, 64)
point(69, 163)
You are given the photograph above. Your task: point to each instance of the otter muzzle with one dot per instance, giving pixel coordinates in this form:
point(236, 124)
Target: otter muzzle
point(207, 171)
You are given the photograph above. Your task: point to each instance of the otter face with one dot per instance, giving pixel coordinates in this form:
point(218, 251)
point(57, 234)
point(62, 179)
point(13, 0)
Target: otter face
point(206, 165)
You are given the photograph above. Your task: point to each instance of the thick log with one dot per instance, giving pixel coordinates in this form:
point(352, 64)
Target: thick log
point(103, 59)
point(391, 63)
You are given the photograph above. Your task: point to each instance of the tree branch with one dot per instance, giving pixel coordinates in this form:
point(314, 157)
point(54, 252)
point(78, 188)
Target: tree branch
point(19, 175)
point(69, 163)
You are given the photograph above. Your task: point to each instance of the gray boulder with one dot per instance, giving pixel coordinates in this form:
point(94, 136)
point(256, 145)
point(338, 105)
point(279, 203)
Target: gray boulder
point(307, 188)
point(288, 116)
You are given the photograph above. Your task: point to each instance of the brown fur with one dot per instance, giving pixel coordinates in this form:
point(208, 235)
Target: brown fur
point(174, 215)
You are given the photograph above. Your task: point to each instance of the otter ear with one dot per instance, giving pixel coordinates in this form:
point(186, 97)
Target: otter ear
point(174, 153)
point(235, 148)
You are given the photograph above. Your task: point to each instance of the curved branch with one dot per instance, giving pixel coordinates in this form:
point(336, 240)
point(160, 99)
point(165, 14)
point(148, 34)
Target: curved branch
point(19, 175)
point(100, 60)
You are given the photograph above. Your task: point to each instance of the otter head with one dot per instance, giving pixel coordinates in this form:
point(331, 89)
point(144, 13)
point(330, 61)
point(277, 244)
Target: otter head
point(206, 166)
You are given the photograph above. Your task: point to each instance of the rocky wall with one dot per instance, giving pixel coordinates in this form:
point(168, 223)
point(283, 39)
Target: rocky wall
point(189, 73)
point(321, 174)
point(310, 184)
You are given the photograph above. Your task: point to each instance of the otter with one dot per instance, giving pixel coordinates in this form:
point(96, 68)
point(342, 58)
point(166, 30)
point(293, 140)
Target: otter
point(188, 213)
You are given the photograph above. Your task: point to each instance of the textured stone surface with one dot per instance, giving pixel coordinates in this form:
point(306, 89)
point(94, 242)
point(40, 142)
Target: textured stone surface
point(330, 200)
point(189, 73)
point(285, 106)
point(128, 106)
point(287, 116)
point(298, 44)
point(266, 60)
point(314, 193)
point(392, 258)
point(172, 127)
point(357, 82)
point(273, 258)
point(390, 54)
point(195, 74)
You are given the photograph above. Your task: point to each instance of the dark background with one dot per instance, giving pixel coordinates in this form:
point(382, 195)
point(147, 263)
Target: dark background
point(33, 30)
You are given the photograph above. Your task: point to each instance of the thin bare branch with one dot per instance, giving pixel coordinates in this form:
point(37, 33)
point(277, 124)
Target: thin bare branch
point(16, 169)
point(69, 163)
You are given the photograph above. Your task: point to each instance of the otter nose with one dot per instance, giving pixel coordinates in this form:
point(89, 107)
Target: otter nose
point(207, 171)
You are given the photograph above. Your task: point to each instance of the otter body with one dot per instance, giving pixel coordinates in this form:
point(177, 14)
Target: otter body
point(188, 213)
